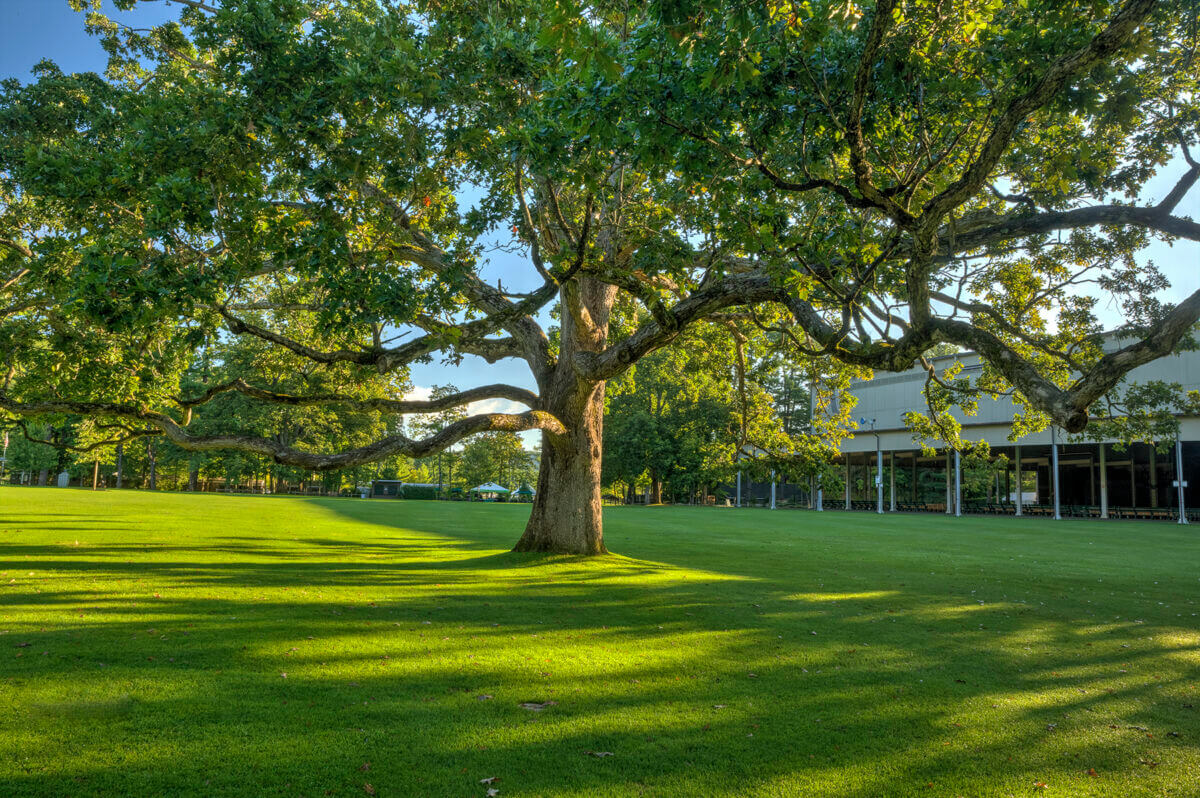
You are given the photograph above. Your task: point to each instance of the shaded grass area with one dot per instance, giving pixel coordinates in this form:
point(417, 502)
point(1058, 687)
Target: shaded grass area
point(222, 645)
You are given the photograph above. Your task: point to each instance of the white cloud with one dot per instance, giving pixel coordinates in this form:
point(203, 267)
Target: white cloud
point(496, 406)
point(419, 392)
point(532, 438)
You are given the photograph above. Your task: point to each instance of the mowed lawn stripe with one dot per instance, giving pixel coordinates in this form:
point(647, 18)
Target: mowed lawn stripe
point(159, 644)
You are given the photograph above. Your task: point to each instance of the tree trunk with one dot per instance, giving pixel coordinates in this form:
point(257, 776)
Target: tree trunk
point(43, 476)
point(655, 491)
point(193, 477)
point(120, 464)
point(566, 514)
point(566, 508)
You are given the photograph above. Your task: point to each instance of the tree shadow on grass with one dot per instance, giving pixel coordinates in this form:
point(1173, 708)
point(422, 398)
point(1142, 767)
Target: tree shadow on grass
point(702, 676)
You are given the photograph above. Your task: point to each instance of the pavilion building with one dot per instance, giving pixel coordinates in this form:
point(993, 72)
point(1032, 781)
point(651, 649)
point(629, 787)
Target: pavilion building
point(1047, 473)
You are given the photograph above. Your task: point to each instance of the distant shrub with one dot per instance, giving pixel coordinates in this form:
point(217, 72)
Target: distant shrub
point(418, 492)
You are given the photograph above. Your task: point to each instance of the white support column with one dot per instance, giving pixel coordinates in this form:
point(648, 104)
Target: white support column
point(892, 491)
point(820, 497)
point(1103, 480)
point(878, 476)
point(772, 489)
point(847, 482)
point(1054, 472)
point(957, 483)
point(1020, 484)
point(739, 488)
point(1180, 482)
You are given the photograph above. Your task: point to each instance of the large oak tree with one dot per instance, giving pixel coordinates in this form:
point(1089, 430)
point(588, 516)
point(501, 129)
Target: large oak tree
point(332, 178)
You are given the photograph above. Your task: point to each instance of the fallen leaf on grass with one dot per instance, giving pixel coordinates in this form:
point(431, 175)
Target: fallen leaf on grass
point(1092, 772)
point(365, 767)
point(598, 754)
point(368, 789)
point(718, 706)
point(537, 706)
point(484, 697)
point(1040, 785)
point(489, 780)
point(492, 791)
point(24, 645)
point(1150, 763)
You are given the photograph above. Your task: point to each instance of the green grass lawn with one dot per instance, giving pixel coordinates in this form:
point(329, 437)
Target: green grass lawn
point(216, 645)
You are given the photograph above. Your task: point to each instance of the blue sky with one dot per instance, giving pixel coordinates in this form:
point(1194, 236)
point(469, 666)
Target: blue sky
point(37, 29)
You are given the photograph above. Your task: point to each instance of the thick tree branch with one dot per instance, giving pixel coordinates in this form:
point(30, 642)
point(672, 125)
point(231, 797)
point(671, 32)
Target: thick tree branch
point(1111, 368)
point(469, 338)
point(881, 22)
point(130, 434)
point(1015, 330)
point(16, 246)
point(733, 289)
point(1067, 407)
point(397, 406)
point(991, 230)
point(1179, 190)
point(517, 319)
point(1102, 47)
point(390, 446)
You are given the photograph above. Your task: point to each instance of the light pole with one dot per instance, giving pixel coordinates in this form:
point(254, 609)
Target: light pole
point(878, 466)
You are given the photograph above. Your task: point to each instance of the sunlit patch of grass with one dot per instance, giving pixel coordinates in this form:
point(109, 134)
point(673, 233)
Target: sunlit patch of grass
point(862, 595)
point(217, 645)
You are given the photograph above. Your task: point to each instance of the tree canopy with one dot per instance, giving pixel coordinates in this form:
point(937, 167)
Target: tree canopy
point(332, 180)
